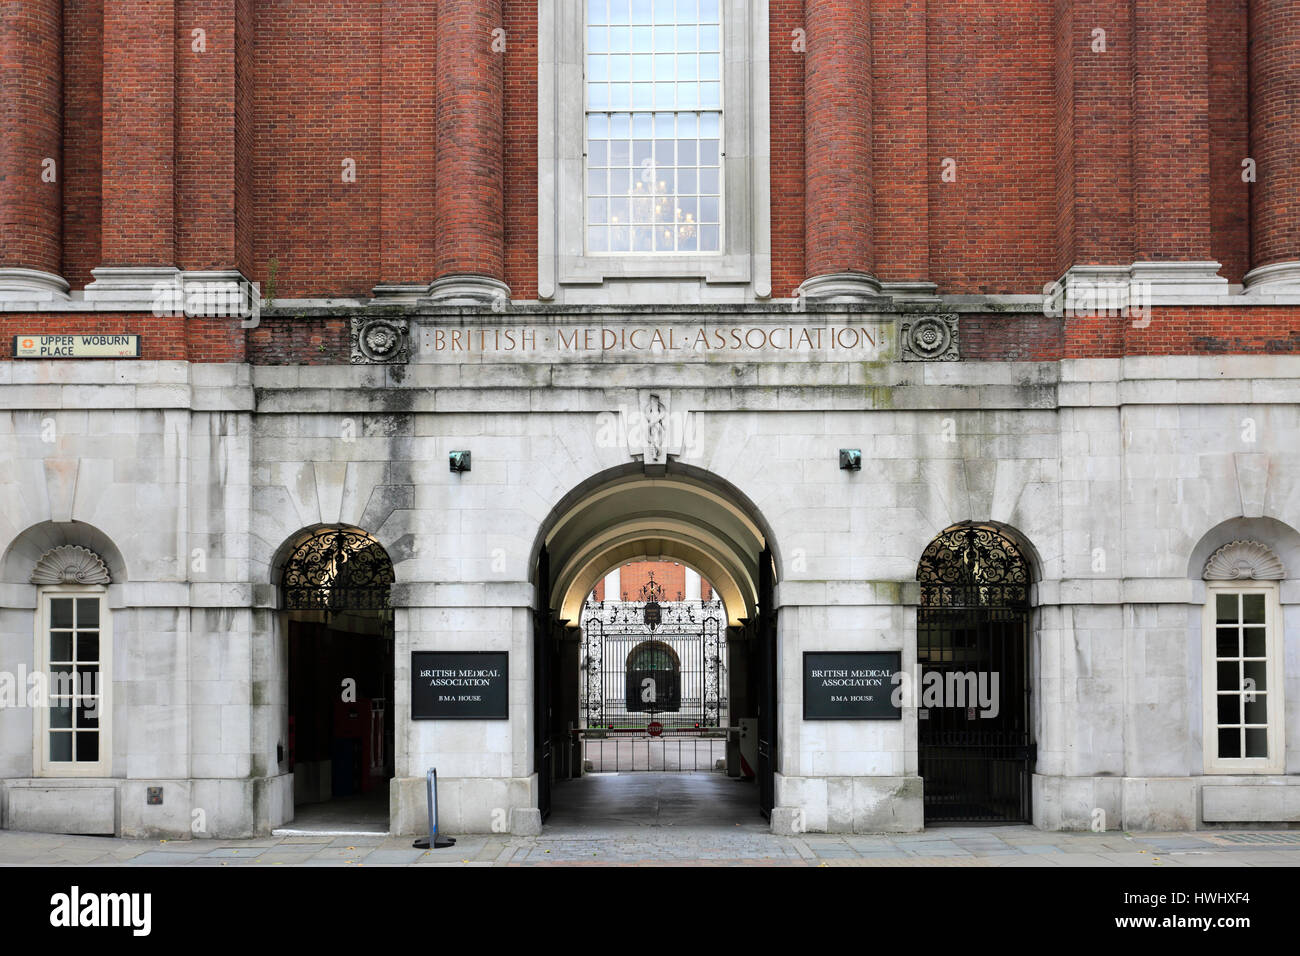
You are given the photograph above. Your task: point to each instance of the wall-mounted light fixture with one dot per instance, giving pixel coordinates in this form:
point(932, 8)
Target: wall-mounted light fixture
point(851, 459)
point(459, 461)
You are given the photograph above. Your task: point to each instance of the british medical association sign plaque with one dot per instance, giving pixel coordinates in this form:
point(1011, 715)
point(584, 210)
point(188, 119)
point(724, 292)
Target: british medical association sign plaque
point(460, 685)
point(850, 685)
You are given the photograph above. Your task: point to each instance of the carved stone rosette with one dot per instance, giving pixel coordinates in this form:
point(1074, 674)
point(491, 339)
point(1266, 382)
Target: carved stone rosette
point(380, 341)
point(928, 338)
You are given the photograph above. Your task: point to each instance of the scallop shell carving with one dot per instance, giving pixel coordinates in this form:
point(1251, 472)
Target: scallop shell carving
point(70, 564)
point(1243, 560)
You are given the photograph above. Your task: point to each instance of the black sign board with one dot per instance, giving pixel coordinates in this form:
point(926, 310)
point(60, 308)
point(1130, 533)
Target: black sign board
point(460, 685)
point(850, 685)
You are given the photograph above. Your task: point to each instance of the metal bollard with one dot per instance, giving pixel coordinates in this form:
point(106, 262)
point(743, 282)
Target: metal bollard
point(431, 784)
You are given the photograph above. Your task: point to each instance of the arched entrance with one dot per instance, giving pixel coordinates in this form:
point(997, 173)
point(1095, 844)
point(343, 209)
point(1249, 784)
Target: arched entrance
point(653, 658)
point(652, 678)
point(972, 645)
point(335, 594)
point(726, 691)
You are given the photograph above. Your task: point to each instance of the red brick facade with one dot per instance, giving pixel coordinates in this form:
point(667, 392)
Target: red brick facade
point(667, 574)
point(325, 149)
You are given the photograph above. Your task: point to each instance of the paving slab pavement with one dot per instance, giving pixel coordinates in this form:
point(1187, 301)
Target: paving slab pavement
point(677, 845)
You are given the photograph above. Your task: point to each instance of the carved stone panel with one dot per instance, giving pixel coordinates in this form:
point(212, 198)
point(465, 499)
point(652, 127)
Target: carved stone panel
point(928, 338)
point(1244, 561)
point(70, 564)
point(384, 341)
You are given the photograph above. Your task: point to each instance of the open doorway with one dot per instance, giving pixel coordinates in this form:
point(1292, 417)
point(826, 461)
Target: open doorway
point(341, 681)
point(654, 658)
point(975, 742)
point(653, 682)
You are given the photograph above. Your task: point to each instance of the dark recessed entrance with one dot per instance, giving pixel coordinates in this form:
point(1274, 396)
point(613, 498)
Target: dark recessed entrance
point(340, 635)
point(972, 637)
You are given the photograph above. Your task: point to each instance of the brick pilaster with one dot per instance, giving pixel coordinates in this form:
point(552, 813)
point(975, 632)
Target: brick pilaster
point(469, 214)
point(837, 147)
point(139, 144)
point(901, 231)
point(1275, 139)
point(408, 134)
point(214, 149)
point(31, 146)
point(1171, 141)
point(1094, 63)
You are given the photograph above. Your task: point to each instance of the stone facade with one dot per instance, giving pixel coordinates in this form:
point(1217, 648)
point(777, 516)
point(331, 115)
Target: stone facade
point(1121, 478)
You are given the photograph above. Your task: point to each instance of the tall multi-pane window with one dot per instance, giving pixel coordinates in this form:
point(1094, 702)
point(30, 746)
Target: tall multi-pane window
point(72, 631)
point(1243, 697)
point(653, 78)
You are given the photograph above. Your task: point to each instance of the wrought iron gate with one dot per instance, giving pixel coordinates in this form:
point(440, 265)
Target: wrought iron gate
point(543, 758)
point(764, 665)
point(976, 751)
point(338, 569)
point(653, 661)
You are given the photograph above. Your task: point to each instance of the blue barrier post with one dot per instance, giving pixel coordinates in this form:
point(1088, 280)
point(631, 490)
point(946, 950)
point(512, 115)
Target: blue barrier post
point(431, 785)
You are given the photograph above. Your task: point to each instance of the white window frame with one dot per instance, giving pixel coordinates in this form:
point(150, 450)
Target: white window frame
point(565, 271)
point(42, 765)
point(1273, 636)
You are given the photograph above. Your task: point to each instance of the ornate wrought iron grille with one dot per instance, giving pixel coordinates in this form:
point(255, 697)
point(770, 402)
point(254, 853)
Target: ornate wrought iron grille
point(692, 631)
point(973, 567)
point(976, 755)
point(338, 570)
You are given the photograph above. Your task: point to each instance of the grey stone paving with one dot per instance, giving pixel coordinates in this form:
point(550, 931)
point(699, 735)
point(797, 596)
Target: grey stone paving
point(673, 819)
point(676, 845)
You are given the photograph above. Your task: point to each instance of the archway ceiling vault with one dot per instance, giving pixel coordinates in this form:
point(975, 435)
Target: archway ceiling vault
point(582, 573)
point(636, 518)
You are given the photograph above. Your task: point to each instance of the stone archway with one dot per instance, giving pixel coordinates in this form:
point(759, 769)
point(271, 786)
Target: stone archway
point(335, 584)
point(974, 733)
point(687, 516)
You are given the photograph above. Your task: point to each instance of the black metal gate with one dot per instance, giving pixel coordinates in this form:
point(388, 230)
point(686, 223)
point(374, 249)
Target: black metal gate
point(653, 660)
point(543, 759)
point(976, 752)
point(765, 666)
